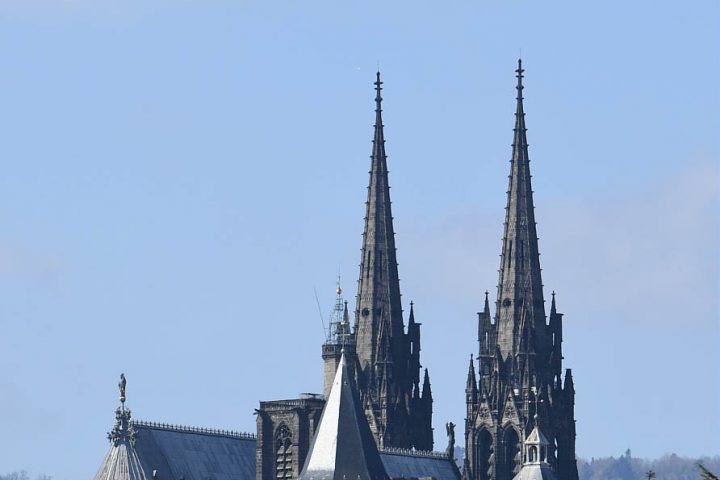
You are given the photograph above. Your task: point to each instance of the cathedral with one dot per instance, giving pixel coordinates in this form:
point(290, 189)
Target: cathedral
point(374, 417)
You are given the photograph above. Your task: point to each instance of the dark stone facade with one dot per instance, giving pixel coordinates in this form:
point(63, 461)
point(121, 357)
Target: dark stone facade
point(382, 357)
point(285, 429)
point(388, 359)
point(520, 354)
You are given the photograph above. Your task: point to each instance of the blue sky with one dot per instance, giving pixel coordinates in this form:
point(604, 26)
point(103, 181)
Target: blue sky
point(179, 176)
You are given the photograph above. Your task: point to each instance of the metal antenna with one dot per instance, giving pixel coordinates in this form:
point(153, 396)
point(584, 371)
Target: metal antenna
point(322, 318)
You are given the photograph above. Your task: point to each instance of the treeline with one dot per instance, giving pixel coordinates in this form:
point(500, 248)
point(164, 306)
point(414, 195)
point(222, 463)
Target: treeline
point(626, 467)
point(23, 475)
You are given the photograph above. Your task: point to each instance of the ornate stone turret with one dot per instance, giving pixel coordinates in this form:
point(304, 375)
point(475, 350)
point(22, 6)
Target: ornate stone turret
point(121, 462)
point(535, 454)
point(520, 353)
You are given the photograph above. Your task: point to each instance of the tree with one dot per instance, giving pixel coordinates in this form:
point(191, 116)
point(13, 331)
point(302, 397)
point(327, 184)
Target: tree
point(650, 475)
point(706, 474)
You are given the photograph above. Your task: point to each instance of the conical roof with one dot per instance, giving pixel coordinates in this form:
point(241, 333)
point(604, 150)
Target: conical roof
point(121, 462)
point(343, 447)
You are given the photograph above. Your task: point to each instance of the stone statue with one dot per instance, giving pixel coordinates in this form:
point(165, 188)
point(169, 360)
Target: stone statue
point(121, 385)
point(450, 428)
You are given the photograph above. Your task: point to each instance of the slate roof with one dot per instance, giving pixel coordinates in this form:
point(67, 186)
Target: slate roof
point(187, 453)
point(409, 464)
point(536, 471)
point(145, 450)
point(537, 437)
point(343, 446)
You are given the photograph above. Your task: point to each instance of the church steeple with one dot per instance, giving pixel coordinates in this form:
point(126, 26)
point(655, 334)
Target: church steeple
point(378, 311)
point(520, 354)
point(520, 299)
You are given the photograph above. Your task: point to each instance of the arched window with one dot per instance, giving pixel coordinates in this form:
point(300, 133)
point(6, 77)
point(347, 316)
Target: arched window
point(532, 453)
point(542, 453)
point(511, 447)
point(485, 457)
point(283, 453)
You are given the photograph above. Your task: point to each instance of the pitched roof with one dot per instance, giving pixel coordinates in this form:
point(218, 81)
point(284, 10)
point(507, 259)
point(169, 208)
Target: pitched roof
point(401, 463)
point(187, 453)
point(536, 437)
point(343, 446)
point(145, 450)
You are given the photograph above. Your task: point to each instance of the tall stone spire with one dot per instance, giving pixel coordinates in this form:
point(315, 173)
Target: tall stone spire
point(520, 299)
point(387, 360)
point(378, 311)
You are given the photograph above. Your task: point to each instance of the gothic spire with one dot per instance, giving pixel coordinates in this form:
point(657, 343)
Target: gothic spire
point(427, 390)
point(520, 298)
point(471, 390)
point(378, 298)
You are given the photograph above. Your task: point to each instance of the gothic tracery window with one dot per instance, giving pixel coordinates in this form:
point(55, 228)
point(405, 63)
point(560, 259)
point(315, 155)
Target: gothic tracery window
point(283, 453)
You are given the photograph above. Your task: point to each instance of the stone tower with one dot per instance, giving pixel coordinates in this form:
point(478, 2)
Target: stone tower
point(386, 358)
point(520, 353)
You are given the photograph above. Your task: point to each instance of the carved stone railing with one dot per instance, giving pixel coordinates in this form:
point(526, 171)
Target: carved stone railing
point(413, 453)
point(187, 429)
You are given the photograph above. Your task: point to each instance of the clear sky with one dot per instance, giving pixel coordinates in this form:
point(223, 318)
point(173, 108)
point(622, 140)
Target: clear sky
point(179, 176)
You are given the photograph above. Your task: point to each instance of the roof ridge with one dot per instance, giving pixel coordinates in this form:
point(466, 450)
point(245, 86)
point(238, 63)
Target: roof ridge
point(414, 453)
point(191, 429)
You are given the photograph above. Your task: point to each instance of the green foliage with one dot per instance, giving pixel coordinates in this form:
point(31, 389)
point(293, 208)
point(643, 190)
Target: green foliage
point(705, 473)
